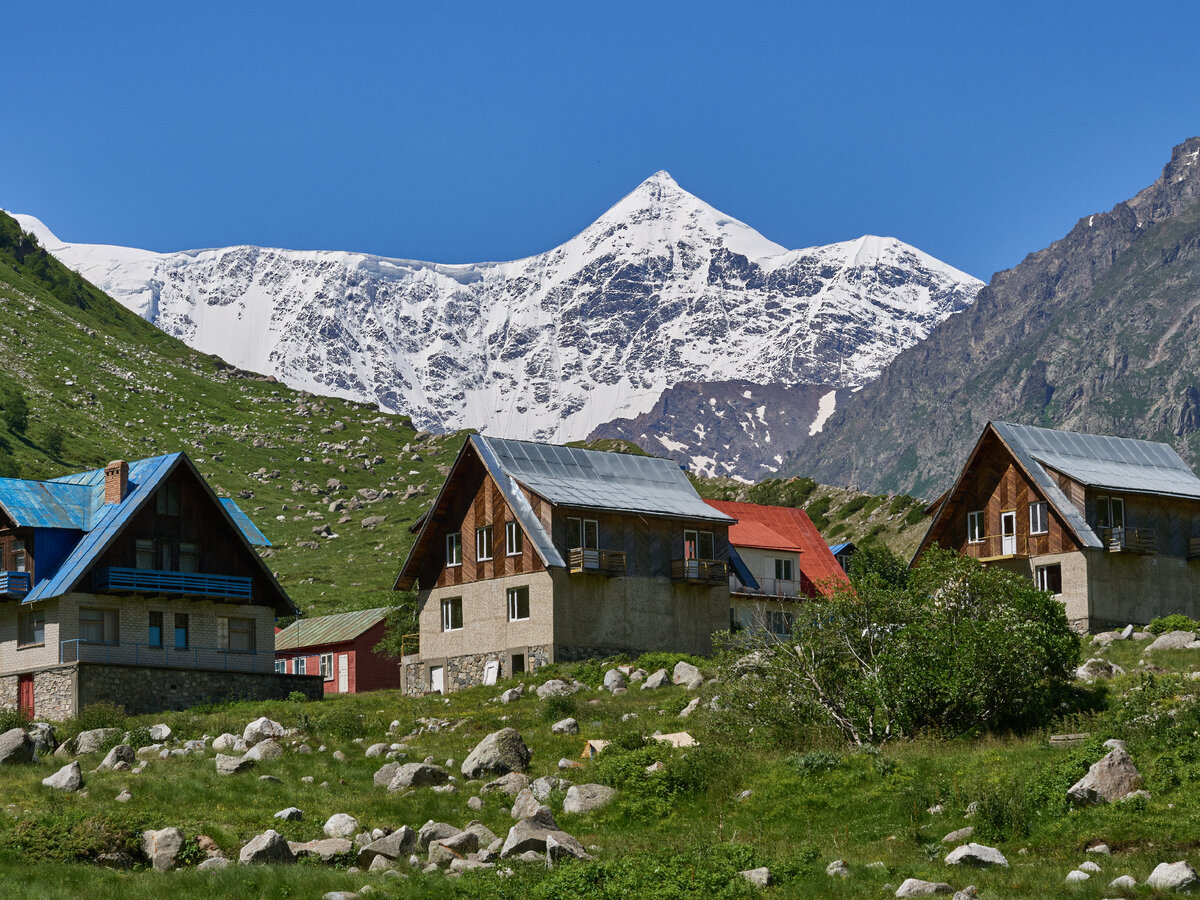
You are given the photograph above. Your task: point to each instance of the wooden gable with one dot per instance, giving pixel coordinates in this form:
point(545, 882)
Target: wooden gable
point(470, 500)
point(183, 512)
point(994, 483)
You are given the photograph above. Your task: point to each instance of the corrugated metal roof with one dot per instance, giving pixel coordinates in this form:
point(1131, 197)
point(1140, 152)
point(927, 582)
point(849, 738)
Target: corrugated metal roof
point(328, 629)
point(1100, 461)
point(783, 529)
point(835, 549)
point(620, 482)
point(517, 501)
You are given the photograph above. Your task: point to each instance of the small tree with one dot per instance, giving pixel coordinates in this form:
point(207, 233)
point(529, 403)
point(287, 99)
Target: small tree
point(955, 647)
point(53, 440)
point(15, 412)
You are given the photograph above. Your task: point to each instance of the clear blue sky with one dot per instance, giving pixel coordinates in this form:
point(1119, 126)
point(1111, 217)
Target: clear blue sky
point(462, 132)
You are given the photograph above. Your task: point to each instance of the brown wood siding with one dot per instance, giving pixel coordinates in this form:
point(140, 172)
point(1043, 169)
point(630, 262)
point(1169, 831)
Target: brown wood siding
point(477, 502)
point(994, 483)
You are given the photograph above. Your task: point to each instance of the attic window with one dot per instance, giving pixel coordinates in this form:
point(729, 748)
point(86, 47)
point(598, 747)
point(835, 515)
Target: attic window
point(514, 539)
point(166, 501)
point(454, 549)
point(483, 543)
point(975, 527)
point(1039, 517)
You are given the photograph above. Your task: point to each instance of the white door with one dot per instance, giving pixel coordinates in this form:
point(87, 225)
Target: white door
point(1008, 533)
point(343, 673)
point(490, 671)
point(435, 680)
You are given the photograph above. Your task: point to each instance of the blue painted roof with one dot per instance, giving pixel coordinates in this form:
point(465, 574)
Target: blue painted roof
point(835, 549)
point(242, 521)
point(75, 503)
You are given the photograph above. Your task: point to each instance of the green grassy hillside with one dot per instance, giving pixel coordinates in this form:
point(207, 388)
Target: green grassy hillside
point(738, 800)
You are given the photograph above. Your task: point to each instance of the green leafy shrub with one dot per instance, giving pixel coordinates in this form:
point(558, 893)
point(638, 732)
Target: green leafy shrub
point(900, 503)
point(817, 512)
point(915, 515)
point(12, 718)
point(297, 697)
point(814, 762)
point(97, 715)
point(66, 832)
point(344, 723)
point(559, 706)
point(853, 505)
point(1173, 622)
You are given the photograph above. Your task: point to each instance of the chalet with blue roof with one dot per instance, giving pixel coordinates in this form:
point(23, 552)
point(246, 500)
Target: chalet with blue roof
point(133, 584)
point(534, 553)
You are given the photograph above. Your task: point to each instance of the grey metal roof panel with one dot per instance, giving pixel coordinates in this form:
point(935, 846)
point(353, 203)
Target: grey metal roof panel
point(328, 629)
point(620, 482)
point(1121, 476)
point(518, 502)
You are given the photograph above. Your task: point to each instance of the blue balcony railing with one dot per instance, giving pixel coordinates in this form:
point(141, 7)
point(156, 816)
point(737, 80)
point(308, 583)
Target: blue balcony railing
point(14, 584)
point(154, 581)
point(132, 653)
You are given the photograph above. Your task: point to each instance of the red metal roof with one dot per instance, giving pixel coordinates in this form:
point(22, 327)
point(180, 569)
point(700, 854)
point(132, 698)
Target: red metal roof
point(782, 528)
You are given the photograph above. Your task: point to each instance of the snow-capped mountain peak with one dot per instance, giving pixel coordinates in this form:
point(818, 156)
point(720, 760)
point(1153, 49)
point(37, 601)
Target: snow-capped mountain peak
point(661, 289)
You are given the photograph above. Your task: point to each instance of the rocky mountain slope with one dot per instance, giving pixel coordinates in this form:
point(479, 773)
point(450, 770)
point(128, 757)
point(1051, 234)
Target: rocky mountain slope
point(661, 289)
point(728, 428)
point(1098, 332)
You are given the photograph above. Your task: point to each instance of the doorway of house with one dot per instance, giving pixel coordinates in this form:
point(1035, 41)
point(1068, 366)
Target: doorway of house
point(343, 673)
point(436, 680)
point(1008, 533)
point(25, 695)
point(518, 663)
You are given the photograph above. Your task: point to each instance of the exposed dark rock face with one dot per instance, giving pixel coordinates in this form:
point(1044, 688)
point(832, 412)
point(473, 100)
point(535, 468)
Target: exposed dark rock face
point(1098, 332)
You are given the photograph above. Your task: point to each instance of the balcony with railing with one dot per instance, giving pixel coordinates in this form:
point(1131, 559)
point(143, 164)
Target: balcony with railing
point(168, 657)
point(782, 588)
point(596, 562)
point(14, 585)
point(1008, 546)
point(1130, 540)
point(700, 571)
point(117, 580)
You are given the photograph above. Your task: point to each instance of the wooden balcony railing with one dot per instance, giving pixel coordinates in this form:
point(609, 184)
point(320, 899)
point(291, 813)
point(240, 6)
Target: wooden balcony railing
point(997, 546)
point(14, 584)
point(700, 571)
point(599, 562)
point(1130, 540)
point(115, 579)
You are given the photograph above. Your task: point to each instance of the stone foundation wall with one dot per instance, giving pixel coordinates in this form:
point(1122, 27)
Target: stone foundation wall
point(467, 671)
point(411, 671)
point(143, 690)
point(460, 672)
point(59, 692)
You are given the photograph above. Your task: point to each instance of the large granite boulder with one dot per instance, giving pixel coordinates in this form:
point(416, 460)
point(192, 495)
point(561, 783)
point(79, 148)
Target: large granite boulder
point(397, 845)
point(262, 729)
point(686, 674)
point(91, 741)
point(531, 833)
point(500, 752)
point(69, 778)
point(1173, 640)
point(1177, 876)
point(122, 753)
point(268, 847)
point(444, 851)
point(976, 855)
point(16, 747)
point(162, 847)
point(1111, 778)
point(230, 765)
point(415, 775)
point(583, 798)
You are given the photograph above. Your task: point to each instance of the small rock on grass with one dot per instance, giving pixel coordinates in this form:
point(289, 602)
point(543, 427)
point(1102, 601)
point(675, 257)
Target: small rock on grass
point(976, 855)
point(915, 887)
point(760, 877)
point(1176, 876)
point(69, 778)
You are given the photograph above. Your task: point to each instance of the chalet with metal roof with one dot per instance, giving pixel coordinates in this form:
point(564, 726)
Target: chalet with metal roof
point(341, 649)
point(1109, 524)
point(777, 559)
point(533, 553)
point(139, 566)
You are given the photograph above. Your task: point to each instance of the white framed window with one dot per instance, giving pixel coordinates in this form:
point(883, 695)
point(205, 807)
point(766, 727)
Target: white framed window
point(975, 527)
point(583, 533)
point(783, 570)
point(514, 539)
point(1039, 517)
point(454, 549)
point(1110, 512)
point(698, 544)
point(779, 623)
point(1049, 578)
point(18, 556)
point(327, 666)
point(483, 543)
point(281, 667)
point(98, 626)
point(452, 619)
point(300, 663)
point(518, 603)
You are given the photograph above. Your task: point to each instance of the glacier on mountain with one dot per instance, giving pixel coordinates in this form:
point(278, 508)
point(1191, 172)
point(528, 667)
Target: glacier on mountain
point(661, 289)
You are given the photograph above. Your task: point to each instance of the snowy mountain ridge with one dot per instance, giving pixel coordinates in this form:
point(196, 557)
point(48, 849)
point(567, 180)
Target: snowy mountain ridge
point(661, 289)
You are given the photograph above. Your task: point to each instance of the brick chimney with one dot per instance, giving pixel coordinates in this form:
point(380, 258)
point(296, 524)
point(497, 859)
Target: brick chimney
point(116, 479)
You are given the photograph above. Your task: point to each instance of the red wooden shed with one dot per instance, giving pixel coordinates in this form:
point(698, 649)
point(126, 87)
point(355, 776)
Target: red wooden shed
point(341, 648)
